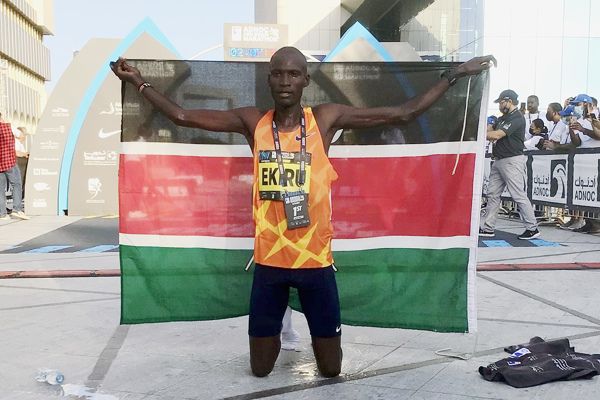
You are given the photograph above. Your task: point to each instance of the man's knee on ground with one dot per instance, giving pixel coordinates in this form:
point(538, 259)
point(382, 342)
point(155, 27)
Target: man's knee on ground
point(330, 371)
point(328, 354)
point(260, 371)
point(263, 354)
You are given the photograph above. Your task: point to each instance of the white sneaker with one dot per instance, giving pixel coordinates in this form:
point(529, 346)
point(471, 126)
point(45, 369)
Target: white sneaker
point(290, 340)
point(5, 218)
point(19, 214)
point(577, 224)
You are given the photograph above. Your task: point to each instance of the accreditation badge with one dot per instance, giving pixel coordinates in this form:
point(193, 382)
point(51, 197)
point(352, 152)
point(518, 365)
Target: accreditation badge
point(296, 209)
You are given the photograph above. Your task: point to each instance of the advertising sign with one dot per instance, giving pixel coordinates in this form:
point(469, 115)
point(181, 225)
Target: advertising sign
point(253, 42)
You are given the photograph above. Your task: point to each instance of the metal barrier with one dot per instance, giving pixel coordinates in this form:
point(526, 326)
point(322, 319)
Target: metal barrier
point(559, 184)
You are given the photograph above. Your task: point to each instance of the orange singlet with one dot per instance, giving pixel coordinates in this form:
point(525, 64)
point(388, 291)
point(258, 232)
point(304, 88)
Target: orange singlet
point(275, 245)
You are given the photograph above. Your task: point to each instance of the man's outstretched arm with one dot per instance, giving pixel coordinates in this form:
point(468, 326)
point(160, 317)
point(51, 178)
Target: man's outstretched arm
point(332, 117)
point(236, 120)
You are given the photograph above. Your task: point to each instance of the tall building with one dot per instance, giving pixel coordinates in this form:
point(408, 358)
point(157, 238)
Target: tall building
point(24, 60)
point(550, 48)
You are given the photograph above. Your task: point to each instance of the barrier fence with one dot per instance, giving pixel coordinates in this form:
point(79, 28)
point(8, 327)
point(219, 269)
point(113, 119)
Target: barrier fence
point(560, 183)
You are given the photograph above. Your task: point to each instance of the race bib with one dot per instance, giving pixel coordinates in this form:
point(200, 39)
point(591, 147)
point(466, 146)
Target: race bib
point(269, 186)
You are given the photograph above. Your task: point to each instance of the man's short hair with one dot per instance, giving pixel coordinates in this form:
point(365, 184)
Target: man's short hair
point(533, 96)
point(556, 107)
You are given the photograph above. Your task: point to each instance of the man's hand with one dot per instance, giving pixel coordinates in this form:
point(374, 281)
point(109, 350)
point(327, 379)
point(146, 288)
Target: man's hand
point(576, 126)
point(549, 145)
point(475, 65)
point(126, 72)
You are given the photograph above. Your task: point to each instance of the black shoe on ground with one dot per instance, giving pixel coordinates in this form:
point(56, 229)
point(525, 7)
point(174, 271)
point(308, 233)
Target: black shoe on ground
point(486, 233)
point(529, 234)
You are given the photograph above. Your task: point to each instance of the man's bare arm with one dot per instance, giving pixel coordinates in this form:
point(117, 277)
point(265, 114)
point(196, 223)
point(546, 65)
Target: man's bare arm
point(560, 148)
point(332, 117)
point(595, 132)
point(241, 120)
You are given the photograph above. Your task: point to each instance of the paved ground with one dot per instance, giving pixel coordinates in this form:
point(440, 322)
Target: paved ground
point(73, 324)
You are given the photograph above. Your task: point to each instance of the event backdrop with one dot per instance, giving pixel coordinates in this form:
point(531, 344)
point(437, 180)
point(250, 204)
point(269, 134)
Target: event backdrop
point(405, 218)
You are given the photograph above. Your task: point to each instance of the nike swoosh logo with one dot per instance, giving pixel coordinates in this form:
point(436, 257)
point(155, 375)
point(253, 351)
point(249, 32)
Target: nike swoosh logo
point(298, 138)
point(338, 329)
point(104, 135)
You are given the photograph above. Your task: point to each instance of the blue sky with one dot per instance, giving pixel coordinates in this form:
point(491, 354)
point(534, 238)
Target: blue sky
point(190, 25)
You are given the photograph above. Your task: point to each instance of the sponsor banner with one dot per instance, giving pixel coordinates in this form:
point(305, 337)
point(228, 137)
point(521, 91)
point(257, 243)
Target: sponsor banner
point(253, 42)
point(586, 182)
point(549, 178)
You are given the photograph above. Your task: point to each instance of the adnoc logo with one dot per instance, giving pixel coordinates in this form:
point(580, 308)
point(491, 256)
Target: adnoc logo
point(558, 178)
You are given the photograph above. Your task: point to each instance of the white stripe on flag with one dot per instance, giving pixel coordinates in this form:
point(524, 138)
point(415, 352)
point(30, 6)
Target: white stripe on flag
point(232, 243)
point(217, 150)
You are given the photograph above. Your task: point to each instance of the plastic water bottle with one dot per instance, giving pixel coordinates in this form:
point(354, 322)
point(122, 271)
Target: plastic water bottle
point(51, 376)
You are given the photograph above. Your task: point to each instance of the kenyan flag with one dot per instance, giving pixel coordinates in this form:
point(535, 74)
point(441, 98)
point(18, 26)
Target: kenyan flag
point(405, 218)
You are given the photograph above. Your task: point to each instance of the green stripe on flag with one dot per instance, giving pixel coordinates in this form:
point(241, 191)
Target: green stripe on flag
point(406, 288)
point(160, 284)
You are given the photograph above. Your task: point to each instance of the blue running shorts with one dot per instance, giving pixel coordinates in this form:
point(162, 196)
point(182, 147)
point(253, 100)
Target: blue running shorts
point(318, 295)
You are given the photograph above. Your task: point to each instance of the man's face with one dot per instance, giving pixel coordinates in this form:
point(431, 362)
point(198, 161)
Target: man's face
point(287, 79)
point(532, 105)
point(550, 114)
point(581, 109)
point(504, 106)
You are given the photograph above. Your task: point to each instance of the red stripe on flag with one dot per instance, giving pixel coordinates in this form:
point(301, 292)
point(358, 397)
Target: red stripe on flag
point(211, 196)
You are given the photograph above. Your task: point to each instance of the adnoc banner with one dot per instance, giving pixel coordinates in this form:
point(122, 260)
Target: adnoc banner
point(586, 182)
point(549, 174)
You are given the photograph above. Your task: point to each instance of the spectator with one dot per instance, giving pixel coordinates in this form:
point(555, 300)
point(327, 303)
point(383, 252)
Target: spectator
point(595, 106)
point(22, 153)
point(9, 172)
point(508, 169)
point(581, 134)
point(569, 117)
point(589, 138)
point(532, 113)
point(583, 127)
point(539, 133)
point(558, 130)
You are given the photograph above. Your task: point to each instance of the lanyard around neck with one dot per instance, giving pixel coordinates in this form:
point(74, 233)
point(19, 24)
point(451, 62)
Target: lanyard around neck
point(302, 173)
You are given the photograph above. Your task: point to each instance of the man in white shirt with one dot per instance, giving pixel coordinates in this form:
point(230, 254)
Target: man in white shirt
point(586, 137)
point(572, 140)
point(558, 131)
point(533, 112)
